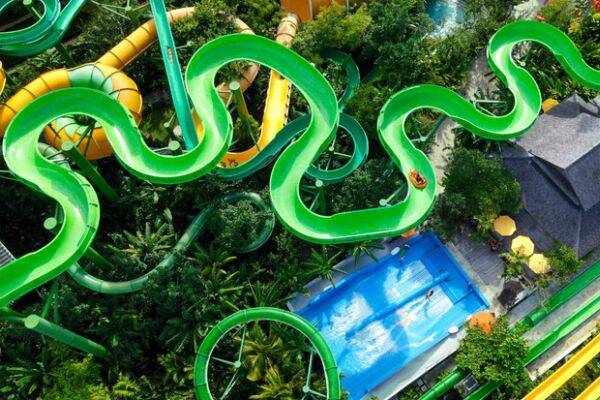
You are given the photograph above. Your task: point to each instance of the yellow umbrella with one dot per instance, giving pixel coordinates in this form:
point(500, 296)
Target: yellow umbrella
point(538, 263)
point(505, 225)
point(523, 246)
point(549, 104)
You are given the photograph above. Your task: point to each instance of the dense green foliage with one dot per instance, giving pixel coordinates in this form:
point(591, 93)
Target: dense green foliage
point(583, 26)
point(476, 187)
point(495, 357)
point(564, 261)
point(152, 335)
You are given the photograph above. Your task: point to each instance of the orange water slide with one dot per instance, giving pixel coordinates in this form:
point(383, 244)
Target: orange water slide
point(104, 75)
point(143, 37)
point(2, 78)
point(277, 102)
point(308, 9)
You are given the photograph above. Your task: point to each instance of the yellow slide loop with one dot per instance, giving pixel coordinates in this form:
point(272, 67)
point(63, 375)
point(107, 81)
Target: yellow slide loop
point(104, 75)
point(107, 79)
point(92, 140)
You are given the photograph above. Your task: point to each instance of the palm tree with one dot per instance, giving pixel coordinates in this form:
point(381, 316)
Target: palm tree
point(321, 264)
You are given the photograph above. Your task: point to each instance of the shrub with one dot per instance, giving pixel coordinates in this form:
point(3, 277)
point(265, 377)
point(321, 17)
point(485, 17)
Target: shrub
point(77, 380)
point(513, 263)
point(564, 261)
point(476, 187)
point(366, 186)
point(496, 357)
point(236, 225)
point(333, 28)
point(394, 42)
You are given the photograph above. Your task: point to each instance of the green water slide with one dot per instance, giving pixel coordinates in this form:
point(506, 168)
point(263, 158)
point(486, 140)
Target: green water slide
point(242, 319)
point(296, 127)
point(79, 200)
point(80, 205)
point(559, 299)
point(86, 279)
point(44, 33)
point(173, 71)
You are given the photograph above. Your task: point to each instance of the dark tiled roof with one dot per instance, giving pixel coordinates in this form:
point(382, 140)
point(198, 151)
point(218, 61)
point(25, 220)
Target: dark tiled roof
point(558, 166)
point(5, 255)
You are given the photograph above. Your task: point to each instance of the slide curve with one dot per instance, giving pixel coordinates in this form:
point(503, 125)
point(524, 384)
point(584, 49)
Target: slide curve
point(44, 33)
point(80, 203)
point(242, 318)
point(117, 84)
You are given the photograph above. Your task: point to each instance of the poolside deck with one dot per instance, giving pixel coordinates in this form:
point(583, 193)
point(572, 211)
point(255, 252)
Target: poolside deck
point(485, 269)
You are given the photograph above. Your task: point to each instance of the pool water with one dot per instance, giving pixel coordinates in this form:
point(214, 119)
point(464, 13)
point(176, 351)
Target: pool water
point(447, 14)
point(387, 313)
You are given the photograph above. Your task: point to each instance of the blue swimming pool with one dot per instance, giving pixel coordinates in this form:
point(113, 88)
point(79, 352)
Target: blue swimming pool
point(447, 14)
point(385, 314)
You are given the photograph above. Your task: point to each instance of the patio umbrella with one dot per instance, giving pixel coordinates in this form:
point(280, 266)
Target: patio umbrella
point(523, 246)
point(505, 225)
point(538, 263)
point(483, 320)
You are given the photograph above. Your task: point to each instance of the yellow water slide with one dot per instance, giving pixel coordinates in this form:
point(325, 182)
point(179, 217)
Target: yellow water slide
point(2, 78)
point(592, 392)
point(105, 75)
point(277, 103)
point(566, 372)
point(308, 9)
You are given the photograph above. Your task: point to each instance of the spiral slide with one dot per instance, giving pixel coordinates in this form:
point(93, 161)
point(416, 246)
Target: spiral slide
point(566, 371)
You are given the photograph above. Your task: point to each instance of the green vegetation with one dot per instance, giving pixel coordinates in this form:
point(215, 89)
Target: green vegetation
point(513, 263)
point(153, 334)
point(583, 26)
point(496, 357)
point(476, 187)
point(564, 261)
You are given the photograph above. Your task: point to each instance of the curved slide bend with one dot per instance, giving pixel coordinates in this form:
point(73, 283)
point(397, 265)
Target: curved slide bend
point(296, 127)
point(44, 33)
point(401, 217)
point(84, 278)
point(242, 318)
point(117, 84)
point(277, 102)
point(80, 203)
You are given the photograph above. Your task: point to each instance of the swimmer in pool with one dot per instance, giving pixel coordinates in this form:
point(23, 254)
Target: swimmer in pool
point(429, 295)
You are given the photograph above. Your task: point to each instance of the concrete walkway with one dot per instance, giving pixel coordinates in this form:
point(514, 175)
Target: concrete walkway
point(443, 140)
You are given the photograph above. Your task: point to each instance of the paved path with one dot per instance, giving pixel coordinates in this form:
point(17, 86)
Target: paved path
point(443, 140)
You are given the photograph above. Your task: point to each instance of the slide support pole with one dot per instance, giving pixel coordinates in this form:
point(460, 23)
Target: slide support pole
point(44, 327)
point(89, 171)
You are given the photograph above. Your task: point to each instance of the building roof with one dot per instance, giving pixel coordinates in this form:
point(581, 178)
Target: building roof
point(558, 166)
